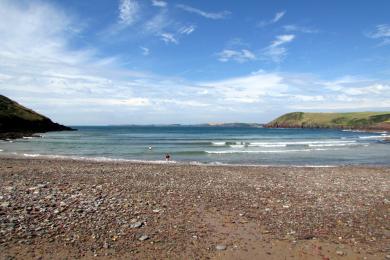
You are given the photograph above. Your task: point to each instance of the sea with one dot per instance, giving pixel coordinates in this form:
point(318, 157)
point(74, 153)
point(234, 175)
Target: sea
point(208, 145)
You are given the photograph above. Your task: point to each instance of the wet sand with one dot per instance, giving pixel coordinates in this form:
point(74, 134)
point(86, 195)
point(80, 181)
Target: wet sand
point(66, 209)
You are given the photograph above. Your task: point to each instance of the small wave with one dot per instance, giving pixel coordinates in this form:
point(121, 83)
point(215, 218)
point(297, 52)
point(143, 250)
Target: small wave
point(353, 131)
point(31, 155)
point(332, 145)
point(284, 144)
point(97, 159)
point(219, 143)
point(27, 137)
point(375, 137)
point(237, 146)
point(267, 151)
point(1, 150)
point(266, 145)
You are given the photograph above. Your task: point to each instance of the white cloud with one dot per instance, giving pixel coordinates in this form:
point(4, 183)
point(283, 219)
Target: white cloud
point(169, 38)
point(278, 16)
point(237, 55)
point(215, 16)
point(248, 89)
point(128, 11)
point(158, 23)
point(382, 31)
point(145, 51)
point(276, 51)
point(187, 29)
point(159, 3)
point(297, 28)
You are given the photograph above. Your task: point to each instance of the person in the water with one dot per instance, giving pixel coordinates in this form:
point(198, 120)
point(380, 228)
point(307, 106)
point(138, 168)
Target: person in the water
point(167, 157)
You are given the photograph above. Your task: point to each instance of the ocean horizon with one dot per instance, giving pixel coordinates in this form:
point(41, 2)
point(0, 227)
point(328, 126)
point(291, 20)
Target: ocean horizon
point(208, 145)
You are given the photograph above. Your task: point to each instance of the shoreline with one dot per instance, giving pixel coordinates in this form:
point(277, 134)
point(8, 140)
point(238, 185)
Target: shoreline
point(84, 209)
point(173, 162)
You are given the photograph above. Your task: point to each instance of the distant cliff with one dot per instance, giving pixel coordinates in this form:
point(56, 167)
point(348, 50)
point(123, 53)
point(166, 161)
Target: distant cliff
point(354, 120)
point(17, 121)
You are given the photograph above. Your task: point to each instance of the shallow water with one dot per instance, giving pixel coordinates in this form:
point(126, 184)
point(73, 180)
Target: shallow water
point(215, 145)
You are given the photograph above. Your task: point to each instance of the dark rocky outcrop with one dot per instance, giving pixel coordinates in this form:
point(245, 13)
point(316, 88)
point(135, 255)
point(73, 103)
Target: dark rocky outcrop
point(17, 121)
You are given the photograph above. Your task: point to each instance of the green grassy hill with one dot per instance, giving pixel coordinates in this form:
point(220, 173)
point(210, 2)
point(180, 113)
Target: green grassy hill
point(15, 118)
point(353, 120)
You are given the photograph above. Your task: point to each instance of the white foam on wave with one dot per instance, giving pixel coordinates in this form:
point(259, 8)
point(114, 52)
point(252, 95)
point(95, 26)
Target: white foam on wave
point(237, 146)
point(379, 137)
point(96, 159)
point(267, 151)
point(31, 155)
point(333, 145)
point(1, 150)
point(218, 143)
point(267, 145)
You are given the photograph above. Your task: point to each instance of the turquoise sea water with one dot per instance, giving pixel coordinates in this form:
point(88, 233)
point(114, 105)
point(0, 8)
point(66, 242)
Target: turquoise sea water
point(211, 145)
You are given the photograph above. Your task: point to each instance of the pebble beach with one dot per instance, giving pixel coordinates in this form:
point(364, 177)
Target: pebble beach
point(69, 209)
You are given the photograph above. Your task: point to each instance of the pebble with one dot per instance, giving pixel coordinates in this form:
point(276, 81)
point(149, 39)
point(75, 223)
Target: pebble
point(387, 257)
point(339, 252)
point(143, 238)
point(220, 247)
point(137, 224)
point(5, 204)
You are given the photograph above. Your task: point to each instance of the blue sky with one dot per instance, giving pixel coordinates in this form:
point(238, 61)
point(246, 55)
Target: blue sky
point(140, 62)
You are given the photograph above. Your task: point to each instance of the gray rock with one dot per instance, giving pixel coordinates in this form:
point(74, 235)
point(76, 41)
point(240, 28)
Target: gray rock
point(5, 204)
point(220, 247)
point(339, 252)
point(387, 257)
point(137, 224)
point(143, 238)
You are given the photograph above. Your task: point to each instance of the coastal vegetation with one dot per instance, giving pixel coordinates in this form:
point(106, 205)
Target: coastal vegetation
point(352, 120)
point(17, 121)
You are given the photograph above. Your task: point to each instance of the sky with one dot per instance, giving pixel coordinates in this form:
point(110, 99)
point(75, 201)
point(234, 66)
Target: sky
point(108, 62)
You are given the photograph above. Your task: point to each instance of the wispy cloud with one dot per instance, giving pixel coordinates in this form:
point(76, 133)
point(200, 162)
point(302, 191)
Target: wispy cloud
point(128, 11)
point(169, 38)
point(277, 17)
point(145, 51)
point(159, 3)
point(215, 16)
point(276, 51)
point(240, 56)
point(382, 32)
point(297, 28)
point(187, 29)
point(158, 23)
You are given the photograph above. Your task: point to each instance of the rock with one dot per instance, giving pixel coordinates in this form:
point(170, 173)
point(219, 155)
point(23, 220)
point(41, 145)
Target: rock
point(387, 257)
point(137, 224)
point(156, 210)
point(220, 247)
point(5, 204)
point(339, 252)
point(143, 238)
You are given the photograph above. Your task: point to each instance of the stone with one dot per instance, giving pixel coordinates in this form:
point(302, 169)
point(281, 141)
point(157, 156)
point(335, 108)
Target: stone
point(5, 204)
point(137, 224)
point(143, 238)
point(220, 247)
point(339, 252)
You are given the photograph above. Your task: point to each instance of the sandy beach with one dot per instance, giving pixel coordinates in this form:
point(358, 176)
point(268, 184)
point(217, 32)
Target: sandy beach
point(66, 209)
